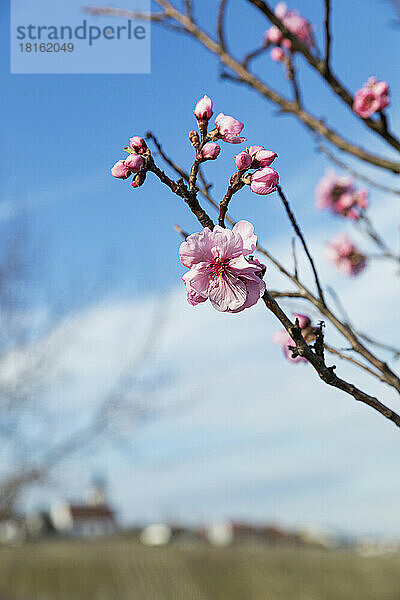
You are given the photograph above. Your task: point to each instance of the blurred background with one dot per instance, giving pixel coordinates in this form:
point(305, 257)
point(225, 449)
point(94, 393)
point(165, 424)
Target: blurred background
point(150, 449)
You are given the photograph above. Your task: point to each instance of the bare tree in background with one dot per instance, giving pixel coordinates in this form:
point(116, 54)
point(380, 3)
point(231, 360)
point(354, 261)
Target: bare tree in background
point(32, 348)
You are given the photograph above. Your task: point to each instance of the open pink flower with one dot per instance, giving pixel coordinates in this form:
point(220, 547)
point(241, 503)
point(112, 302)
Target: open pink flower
point(283, 338)
point(228, 129)
point(345, 255)
point(297, 25)
point(373, 96)
point(218, 269)
point(264, 181)
point(339, 195)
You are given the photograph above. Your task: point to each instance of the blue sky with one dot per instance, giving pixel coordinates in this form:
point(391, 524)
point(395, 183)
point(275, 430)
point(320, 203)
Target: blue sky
point(61, 135)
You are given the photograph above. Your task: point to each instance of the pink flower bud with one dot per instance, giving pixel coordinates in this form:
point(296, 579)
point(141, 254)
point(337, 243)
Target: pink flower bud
point(286, 44)
point(139, 179)
point(243, 160)
point(138, 144)
point(210, 151)
point(228, 129)
point(253, 149)
point(277, 54)
point(263, 158)
point(134, 162)
point(203, 109)
point(281, 10)
point(264, 181)
point(273, 35)
point(120, 170)
point(194, 138)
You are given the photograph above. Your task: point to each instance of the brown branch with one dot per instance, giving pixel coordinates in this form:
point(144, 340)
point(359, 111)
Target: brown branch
point(287, 106)
point(292, 76)
point(328, 38)
point(254, 54)
point(235, 185)
point(299, 234)
point(220, 23)
point(354, 361)
point(317, 361)
point(376, 238)
point(180, 189)
point(327, 74)
point(344, 328)
point(372, 182)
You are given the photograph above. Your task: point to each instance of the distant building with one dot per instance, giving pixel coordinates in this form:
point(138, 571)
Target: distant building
point(12, 528)
point(92, 519)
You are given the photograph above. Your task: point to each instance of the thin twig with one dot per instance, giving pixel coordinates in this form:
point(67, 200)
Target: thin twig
point(376, 238)
point(220, 23)
point(372, 182)
point(235, 185)
point(299, 234)
point(295, 267)
point(292, 76)
point(354, 361)
point(254, 54)
point(328, 38)
point(327, 74)
point(327, 374)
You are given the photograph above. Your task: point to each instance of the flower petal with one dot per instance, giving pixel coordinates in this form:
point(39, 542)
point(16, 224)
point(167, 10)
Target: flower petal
point(246, 232)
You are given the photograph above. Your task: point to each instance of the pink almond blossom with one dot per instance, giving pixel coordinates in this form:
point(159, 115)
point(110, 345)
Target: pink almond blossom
point(264, 181)
point(297, 25)
point(120, 170)
point(372, 97)
point(339, 195)
point(218, 269)
point(344, 254)
point(283, 338)
point(228, 129)
point(204, 109)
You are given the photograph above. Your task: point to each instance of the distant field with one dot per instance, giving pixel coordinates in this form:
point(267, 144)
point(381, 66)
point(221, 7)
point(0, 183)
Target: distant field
point(120, 569)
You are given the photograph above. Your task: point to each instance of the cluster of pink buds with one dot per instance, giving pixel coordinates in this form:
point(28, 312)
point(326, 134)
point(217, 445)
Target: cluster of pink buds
point(283, 338)
point(339, 195)
point(373, 96)
point(297, 25)
point(345, 255)
point(226, 129)
point(134, 163)
point(265, 179)
point(222, 269)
